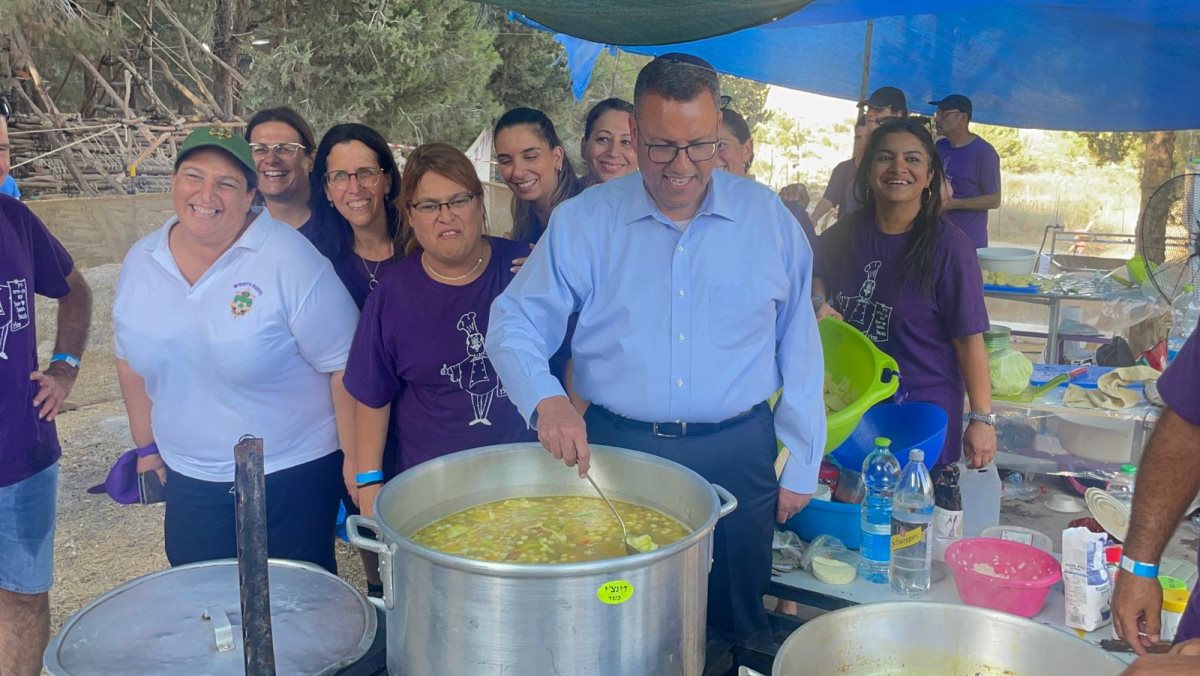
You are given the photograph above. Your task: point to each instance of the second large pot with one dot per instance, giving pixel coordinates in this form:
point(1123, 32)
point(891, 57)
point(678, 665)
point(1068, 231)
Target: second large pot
point(642, 614)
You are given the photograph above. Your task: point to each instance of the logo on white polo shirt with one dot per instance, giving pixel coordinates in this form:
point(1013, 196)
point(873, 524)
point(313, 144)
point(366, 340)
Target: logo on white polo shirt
point(244, 295)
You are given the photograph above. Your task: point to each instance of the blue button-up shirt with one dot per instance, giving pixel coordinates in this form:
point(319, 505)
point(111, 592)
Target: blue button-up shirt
point(696, 322)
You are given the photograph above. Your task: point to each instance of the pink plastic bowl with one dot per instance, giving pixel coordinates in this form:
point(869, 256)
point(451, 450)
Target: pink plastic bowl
point(1022, 576)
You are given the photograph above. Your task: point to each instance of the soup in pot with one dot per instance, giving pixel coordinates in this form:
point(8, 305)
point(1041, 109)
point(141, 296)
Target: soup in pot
point(550, 529)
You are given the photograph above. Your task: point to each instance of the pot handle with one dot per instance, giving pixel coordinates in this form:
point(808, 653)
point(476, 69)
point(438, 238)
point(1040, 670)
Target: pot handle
point(355, 522)
point(730, 502)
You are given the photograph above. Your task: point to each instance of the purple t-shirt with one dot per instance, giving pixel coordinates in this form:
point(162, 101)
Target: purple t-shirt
point(1179, 387)
point(840, 190)
point(973, 170)
point(31, 261)
point(862, 274)
point(419, 346)
point(356, 272)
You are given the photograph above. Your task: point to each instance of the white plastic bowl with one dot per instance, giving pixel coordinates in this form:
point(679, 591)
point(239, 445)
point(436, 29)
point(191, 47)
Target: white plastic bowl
point(1020, 534)
point(1012, 260)
point(1095, 437)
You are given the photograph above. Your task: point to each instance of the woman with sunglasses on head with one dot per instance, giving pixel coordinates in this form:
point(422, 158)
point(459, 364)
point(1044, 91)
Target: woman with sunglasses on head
point(282, 145)
point(354, 186)
point(437, 381)
point(607, 145)
point(910, 280)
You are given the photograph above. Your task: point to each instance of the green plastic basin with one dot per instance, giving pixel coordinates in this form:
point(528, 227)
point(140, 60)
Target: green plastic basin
point(872, 375)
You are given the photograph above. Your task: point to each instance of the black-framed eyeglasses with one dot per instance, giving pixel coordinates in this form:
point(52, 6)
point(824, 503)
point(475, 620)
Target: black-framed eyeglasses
point(285, 151)
point(367, 177)
point(665, 153)
point(458, 204)
point(5, 109)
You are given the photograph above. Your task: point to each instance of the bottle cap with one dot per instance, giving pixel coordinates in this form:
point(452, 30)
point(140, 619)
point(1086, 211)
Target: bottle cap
point(1175, 600)
point(1128, 469)
point(883, 441)
point(916, 455)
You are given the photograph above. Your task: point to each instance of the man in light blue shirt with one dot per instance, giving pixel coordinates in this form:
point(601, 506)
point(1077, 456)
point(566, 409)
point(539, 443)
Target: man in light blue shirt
point(9, 187)
point(693, 294)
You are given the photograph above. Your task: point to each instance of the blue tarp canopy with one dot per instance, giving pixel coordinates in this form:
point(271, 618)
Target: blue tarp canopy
point(1082, 65)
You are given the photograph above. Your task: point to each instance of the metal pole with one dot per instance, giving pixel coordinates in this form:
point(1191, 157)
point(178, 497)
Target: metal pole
point(866, 67)
point(253, 578)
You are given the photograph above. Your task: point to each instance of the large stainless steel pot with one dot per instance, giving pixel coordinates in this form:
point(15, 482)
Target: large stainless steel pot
point(640, 614)
point(907, 637)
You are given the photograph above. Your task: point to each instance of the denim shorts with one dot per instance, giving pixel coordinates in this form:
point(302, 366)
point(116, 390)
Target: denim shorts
point(27, 533)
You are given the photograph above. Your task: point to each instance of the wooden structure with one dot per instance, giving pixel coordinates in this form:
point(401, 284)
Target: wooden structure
point(142, 97)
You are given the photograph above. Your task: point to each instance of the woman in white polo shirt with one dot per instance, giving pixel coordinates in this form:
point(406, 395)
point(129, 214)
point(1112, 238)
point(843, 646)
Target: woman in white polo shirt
point(228, 322)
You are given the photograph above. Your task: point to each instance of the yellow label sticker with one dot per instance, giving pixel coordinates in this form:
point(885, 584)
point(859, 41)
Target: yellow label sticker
point(908, 539)
point(615, 592)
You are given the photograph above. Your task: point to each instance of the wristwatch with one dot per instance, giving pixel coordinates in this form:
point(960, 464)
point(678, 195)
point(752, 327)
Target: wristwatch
point(988, 419)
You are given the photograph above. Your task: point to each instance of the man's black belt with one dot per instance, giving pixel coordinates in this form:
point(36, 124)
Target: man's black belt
point(671, 430)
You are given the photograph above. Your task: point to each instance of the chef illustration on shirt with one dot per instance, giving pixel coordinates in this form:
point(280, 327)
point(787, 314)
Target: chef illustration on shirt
point(863, 312)
point(481, 381)
point(14, 310)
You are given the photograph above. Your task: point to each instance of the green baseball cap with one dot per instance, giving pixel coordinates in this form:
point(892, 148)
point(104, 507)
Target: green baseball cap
point(222, 138)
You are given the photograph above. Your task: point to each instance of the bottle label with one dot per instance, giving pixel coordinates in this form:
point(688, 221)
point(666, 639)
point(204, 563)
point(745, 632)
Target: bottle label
point(875, 547)
point(905, 535)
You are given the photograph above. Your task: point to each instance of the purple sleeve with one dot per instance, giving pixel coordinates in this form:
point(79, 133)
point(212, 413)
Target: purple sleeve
point(959, 287)
point(989, 171)
point(1178, 386)
point(837, 185)
point(51, 262)
point(371, 372)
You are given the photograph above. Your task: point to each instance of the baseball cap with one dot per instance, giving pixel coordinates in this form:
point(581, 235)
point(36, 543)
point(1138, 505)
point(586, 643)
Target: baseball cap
point(222, 138)
point(954, 102)
point(887, 96)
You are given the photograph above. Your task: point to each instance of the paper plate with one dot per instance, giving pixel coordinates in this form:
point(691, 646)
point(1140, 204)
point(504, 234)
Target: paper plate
point(1063, 504)
point(1112, 514)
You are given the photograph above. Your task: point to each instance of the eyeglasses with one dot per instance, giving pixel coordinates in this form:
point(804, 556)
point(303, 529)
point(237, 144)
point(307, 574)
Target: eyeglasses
point(665, 153)
point(5, 109)
point(368, 177)
point(284, 151)
point(457, 204)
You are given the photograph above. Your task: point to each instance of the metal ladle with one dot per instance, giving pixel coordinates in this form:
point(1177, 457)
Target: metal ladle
point(629, 549)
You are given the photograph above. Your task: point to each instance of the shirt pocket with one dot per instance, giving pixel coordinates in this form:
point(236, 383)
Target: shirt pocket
point(739, 315)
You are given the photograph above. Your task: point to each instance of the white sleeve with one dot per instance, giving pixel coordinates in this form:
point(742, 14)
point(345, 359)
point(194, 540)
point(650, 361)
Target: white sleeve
point(323, 322)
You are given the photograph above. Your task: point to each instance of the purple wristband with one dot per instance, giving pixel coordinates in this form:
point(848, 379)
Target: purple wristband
point(149, 449)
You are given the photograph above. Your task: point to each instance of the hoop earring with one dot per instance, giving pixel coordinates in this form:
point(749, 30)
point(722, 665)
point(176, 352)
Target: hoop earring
point(926, 194)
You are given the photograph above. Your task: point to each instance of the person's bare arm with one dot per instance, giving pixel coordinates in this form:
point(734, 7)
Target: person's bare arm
point(138, 407)
point(980, 203)
point(344, 408)
point(370, 437)
point(74, 319)
point(822, 208)
point(1168, 480)
point(979, 440)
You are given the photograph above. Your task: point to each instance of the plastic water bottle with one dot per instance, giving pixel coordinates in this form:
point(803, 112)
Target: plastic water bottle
point(880, 474)
point(980, 498)
point(1121, 487)
point(1185, 314)
point(912, 513)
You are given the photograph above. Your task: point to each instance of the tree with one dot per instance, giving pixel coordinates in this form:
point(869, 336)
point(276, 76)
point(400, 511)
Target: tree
point(415, 70)
point(1012, 148)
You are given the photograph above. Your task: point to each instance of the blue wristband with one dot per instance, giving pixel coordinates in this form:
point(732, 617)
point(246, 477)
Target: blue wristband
point(1148, 570)
point(71, 359)
point(373, 475)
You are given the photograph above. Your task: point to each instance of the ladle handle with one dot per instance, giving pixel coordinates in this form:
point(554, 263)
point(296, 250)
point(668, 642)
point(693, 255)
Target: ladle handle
point(730, 502)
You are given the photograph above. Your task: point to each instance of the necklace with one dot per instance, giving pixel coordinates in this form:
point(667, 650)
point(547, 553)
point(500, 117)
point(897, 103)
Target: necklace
point(442, 277)
point(371, 273)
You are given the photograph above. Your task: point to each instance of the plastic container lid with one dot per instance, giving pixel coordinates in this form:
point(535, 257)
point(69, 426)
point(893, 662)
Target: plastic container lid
point(1128, 468)
point(996, 337)
point(1171, 582)
point(1112, 514)
point(883, 441)
point(1175, 600)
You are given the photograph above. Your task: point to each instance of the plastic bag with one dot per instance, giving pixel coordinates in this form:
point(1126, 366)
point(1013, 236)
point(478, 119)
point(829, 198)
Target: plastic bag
point(827, 558)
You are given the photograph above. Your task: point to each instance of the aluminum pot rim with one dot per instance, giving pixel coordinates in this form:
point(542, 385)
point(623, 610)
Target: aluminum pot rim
point(542, 570)
point(370, 629)
point(923, 607)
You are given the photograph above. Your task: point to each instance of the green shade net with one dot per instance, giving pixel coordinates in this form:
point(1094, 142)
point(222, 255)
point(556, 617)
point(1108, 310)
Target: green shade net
point(649, 22)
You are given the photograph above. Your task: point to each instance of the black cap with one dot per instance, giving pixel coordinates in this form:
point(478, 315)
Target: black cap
point(885, 97)
point(689, 59)
point(954, 102)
